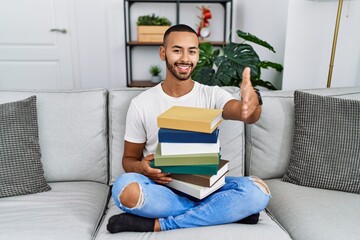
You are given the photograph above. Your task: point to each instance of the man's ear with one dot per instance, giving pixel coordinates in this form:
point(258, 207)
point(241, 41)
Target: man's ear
point(162, 53)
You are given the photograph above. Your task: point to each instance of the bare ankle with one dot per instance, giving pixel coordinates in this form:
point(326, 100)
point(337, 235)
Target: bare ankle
point(157, 226)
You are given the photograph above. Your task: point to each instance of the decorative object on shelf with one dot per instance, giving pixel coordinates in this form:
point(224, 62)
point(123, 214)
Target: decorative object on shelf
point(204, 26)
point(226, 69)
point(151, 28)
point(155, 74)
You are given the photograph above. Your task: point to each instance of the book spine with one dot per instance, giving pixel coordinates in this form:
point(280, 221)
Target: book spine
point(188, 159)
point(195, 190)
point(202, 179)
point(185, 161)
point(181, 136)
point(168, 149)
point(193, 179)
point(195, 169)
point(191, 159)
point(185, 125)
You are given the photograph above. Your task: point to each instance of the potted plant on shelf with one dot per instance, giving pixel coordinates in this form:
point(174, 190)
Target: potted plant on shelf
point(155, 74)
point(151, 28)
point(226, 69)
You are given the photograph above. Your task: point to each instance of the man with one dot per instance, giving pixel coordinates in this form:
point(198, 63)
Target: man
point(151, 206)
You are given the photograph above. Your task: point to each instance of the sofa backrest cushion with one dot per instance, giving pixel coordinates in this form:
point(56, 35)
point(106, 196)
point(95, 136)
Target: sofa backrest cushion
point(72, 132)
point(231, 133)
point(119, 101)
point(269, 141)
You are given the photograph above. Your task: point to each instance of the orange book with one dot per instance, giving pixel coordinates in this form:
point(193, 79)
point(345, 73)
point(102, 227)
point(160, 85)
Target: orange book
point(190, 119)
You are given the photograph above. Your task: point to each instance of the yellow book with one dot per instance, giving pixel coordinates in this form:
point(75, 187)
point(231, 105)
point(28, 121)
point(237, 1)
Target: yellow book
point(190, 119)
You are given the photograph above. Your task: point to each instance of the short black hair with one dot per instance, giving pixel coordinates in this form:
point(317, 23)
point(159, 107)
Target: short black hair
point(178, 28)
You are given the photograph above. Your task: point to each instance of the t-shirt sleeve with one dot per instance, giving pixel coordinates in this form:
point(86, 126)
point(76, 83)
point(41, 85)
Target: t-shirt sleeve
point(135, 130)
point(222, 97)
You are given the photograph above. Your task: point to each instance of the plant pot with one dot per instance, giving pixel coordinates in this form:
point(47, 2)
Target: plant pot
point(156, 79)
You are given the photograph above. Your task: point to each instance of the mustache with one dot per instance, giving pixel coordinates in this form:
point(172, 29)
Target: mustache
point(184, 63)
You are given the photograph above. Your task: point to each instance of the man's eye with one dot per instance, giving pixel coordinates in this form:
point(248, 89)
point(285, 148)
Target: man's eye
point(176, 51)
point(192, 52)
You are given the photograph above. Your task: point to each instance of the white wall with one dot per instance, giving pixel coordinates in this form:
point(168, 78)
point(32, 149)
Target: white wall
point(309, 37)
point(268, 21)
point(99, 44)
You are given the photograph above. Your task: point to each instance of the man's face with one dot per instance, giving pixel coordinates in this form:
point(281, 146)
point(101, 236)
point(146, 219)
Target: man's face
point(181, 54)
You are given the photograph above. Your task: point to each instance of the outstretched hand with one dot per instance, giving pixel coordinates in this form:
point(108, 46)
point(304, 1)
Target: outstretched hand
point(249, 99)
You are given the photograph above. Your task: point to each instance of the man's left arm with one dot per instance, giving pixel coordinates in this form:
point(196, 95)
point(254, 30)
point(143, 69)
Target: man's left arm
point(248, 109)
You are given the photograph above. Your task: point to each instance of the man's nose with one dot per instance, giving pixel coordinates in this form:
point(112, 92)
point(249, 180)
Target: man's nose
point(185, 56)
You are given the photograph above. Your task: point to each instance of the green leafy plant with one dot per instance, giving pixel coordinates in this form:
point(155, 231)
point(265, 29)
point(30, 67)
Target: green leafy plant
point(152, 20)
point(155, 70)
point(226, 69)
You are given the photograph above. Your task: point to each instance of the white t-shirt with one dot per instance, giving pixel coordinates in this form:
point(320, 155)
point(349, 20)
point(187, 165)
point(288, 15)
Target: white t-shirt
point(141, 119)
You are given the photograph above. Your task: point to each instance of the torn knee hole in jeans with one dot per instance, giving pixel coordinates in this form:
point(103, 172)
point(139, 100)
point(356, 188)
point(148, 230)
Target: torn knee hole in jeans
point(130, 199)
point(261, 184)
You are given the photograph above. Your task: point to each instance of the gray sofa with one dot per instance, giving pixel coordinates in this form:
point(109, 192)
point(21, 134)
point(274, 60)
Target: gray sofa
point(81, 140)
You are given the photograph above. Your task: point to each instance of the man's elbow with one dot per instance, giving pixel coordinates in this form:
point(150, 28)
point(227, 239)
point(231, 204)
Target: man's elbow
point(253, 118)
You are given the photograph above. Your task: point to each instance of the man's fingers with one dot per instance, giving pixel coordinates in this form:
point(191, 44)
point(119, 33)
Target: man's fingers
point(246, 77)
point(162, 178)
point(151, 170)
point(246, 85)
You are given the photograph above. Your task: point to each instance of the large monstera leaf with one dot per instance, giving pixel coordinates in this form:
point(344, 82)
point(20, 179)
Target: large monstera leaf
point(205, 75)
point(226, 69)
point(207, 55)
point(236, 58)
point(252, 38)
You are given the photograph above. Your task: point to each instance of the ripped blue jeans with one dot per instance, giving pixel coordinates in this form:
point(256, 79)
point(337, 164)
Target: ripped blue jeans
point(238, 198)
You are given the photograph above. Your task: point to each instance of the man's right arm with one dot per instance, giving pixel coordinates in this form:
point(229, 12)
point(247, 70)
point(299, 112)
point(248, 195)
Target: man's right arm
point(132, 162)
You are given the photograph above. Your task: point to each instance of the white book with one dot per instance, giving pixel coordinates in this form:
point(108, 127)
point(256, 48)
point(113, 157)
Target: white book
point(188, 148)
point(196, 191)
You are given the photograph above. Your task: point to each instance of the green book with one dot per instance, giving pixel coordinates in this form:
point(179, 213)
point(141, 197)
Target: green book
point(185, 159)
point(189, 169)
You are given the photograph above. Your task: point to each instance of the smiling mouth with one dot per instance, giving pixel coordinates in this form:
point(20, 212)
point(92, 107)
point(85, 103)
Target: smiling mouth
point(183, 68)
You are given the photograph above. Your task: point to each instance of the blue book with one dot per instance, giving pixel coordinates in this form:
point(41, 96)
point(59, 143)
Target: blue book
point(181, 136)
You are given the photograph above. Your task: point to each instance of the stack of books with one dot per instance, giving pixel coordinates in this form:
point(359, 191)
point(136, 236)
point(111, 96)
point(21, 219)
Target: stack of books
point(189, 149)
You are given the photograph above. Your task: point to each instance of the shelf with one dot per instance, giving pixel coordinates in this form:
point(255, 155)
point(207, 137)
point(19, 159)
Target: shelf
point(136, 43)
point(181, 1)
point(142, 84)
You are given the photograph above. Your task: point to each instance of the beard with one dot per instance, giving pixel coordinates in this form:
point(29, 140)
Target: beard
point(179, 76)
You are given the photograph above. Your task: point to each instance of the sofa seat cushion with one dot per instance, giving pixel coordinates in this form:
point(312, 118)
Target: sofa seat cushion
point(71, 210)
point(313, 213)
point(265, 229)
